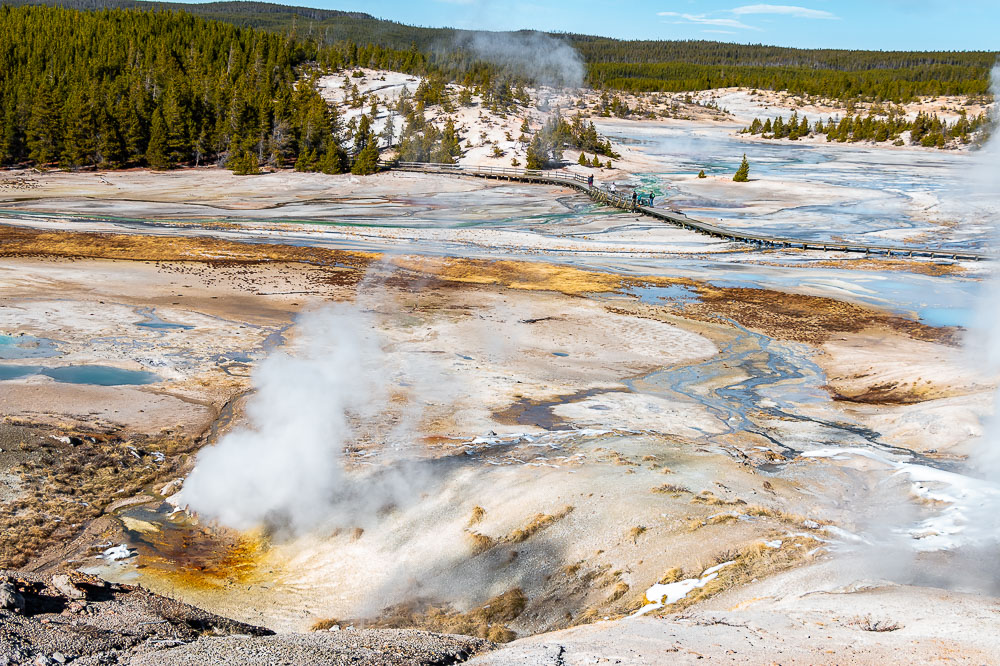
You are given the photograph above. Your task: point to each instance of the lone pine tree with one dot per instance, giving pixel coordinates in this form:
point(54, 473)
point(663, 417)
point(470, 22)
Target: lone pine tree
point(743, 173)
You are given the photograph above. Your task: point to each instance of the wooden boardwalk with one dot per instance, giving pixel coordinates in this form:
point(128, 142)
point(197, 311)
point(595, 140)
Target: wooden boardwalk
point(677, 218)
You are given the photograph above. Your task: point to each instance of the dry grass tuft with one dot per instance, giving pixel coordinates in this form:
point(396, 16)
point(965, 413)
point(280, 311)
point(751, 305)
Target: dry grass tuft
point(538, 523)
point(324, 624)
point(478, 513)
point(868, 623)
point(752, 510)
point(621, 589)
point(572, 569)
point(66, 486)
point(636, 532)
point(671, 489)
point(488, 621)
point(480, 542)
point(672, 576)
point(711, 499)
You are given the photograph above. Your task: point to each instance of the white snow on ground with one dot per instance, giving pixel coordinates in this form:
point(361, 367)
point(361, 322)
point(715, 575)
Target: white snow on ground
point(387, 85)
point(115, 553)
point(670, 593)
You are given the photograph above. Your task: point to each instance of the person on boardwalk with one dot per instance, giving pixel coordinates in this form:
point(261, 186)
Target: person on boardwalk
point(590, 181)
point(613, 188)
point(635, 198)
point(651, 195)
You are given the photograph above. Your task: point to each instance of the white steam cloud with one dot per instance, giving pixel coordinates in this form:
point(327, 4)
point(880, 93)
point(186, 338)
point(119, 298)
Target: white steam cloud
point(985, 337)
point(285, 469)
point(964, 526)
point(545, 59)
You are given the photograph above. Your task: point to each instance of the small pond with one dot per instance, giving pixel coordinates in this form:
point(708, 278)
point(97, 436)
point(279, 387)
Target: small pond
point(98, 375)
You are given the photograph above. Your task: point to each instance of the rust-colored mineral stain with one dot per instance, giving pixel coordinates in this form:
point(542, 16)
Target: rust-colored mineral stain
point(203, 558)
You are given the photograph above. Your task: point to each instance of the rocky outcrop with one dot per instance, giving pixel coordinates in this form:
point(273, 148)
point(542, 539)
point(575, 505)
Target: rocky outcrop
point(80, 619)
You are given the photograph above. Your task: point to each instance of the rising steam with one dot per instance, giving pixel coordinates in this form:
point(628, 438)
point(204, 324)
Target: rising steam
point(985, 337)
point(541, 57)
point(286, 469)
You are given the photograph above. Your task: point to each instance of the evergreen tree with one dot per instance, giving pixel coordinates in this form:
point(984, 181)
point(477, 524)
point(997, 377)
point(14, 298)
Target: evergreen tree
point(743, 173)
point(535, 158)
point(79, 147)
point(244, 163)
point(44, 131)
point(583, 161)
point(389, 131)
point(156, 152)
point(366, 147)
point(366, 162)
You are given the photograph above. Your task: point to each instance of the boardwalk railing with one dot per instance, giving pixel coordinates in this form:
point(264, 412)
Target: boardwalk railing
point(624, 202)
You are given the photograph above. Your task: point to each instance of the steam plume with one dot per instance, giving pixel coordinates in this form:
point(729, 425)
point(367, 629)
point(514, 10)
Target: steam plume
point(985, 338)
point(542, 57)
point(285, 469)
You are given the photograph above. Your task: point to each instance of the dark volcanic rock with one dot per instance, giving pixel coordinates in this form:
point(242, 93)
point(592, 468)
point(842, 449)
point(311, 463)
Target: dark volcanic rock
point(124, 624)
point(368, 647)
point(115, 623)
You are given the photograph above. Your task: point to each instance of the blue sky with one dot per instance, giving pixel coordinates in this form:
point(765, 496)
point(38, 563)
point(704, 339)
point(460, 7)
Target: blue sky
point(867, 24)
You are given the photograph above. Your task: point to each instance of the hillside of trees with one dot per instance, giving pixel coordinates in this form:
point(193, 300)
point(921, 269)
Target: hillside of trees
point(117, 88)
point(638, 66)
point(122, 87)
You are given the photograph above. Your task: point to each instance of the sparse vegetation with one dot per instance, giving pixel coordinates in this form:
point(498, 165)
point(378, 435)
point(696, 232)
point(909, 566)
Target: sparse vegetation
point(489, 621)
point(868, 623)
point(709, 498)
point(621, 589)
point(672, 576)
point(538, 523)
point(755, 561)
point(66, 486)
point(671, 489)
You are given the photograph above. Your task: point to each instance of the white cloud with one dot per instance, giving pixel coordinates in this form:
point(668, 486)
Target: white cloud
point(786, 10)
point(704, 19)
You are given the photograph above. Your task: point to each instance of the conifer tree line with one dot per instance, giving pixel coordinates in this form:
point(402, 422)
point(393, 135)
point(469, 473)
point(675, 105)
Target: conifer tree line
point(120, 89)
point(925, 129)
point(896, 85)
point(354, 38)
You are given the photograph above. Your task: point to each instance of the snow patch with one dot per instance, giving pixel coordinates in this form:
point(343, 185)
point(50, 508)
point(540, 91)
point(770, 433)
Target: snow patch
point(670, 593)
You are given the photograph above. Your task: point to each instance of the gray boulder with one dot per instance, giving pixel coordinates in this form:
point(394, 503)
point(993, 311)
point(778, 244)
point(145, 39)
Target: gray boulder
point(10, 598)
point(64, 584)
